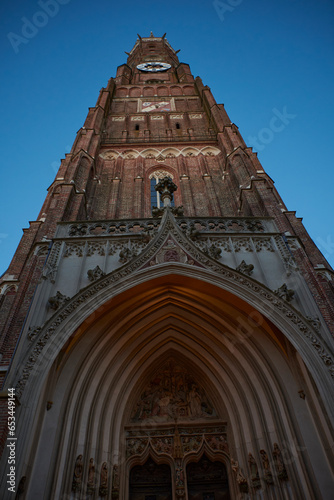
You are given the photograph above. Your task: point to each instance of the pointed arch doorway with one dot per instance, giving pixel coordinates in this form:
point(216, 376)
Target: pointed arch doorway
point(233, 360)
point(150, 481)
point(207, 480)
point(177, 434)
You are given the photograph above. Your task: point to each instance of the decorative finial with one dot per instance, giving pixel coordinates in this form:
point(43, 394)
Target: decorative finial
point(127, 53)
point(151, 35)
point(177, 51)
point(163, 36)
point(139, 36)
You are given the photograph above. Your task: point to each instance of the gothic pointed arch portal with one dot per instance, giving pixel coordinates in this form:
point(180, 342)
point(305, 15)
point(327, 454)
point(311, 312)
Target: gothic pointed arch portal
point(171, 368)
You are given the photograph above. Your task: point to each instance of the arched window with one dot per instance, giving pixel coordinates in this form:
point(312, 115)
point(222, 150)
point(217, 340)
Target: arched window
point(155, 195)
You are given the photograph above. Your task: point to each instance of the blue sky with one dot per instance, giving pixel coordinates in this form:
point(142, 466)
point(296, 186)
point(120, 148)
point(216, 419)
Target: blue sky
point(261, 58)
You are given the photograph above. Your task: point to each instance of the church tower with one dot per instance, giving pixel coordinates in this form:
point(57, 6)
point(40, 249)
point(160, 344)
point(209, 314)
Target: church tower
point(166, 322)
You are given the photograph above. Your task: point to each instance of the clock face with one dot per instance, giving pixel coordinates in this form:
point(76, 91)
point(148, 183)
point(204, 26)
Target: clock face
point(153, 67)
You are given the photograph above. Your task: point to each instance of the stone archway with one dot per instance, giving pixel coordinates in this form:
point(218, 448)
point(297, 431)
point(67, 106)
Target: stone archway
point(100, 373)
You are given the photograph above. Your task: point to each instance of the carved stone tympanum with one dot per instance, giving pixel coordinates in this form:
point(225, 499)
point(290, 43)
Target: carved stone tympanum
point(172, 392)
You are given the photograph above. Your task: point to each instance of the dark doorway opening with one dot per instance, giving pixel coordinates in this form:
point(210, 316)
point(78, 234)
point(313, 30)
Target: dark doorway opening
point(207, 480)
point(150, 482)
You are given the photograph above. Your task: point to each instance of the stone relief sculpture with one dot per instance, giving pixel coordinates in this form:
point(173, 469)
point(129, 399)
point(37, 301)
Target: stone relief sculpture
point(115, 478)
point(245, 268)
point(255, 478)
point(127, 254)
point(58, 300)
point(95, 274)
point(170, 252)
point(179, 473)
point(213, 251)
point(279, 464)
point(136, 446)
point(285, 293)
point(172, 393)
point(191, 443)
point(217, 443)
point(268, 477)
point(77, 475)
point(164, 445)
point(33, 331)
point(241, 480)
point(91, 477)
point(103, 489)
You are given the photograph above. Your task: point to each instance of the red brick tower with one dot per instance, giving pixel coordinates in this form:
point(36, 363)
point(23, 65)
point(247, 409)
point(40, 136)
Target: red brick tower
point(97, 230)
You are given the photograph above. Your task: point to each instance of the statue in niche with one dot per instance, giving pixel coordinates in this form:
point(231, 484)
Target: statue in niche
point(77, 475)
point(279, 464)
point(172, 393)
point(255, 478)
point(268, 477)
point(179, 473)
point(115, 479)
point(103, 490)
point(241, 480)
point(91, 477)
point(195, 403)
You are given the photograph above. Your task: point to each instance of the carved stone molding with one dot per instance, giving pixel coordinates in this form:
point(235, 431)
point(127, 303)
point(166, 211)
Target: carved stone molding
point(95, 247)
point(74, 249)
point(315, 322)
point(50, 269)
point(163, 441)
point(202, 224)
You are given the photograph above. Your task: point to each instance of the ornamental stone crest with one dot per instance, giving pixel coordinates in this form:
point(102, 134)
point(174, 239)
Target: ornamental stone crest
point(58, 300)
